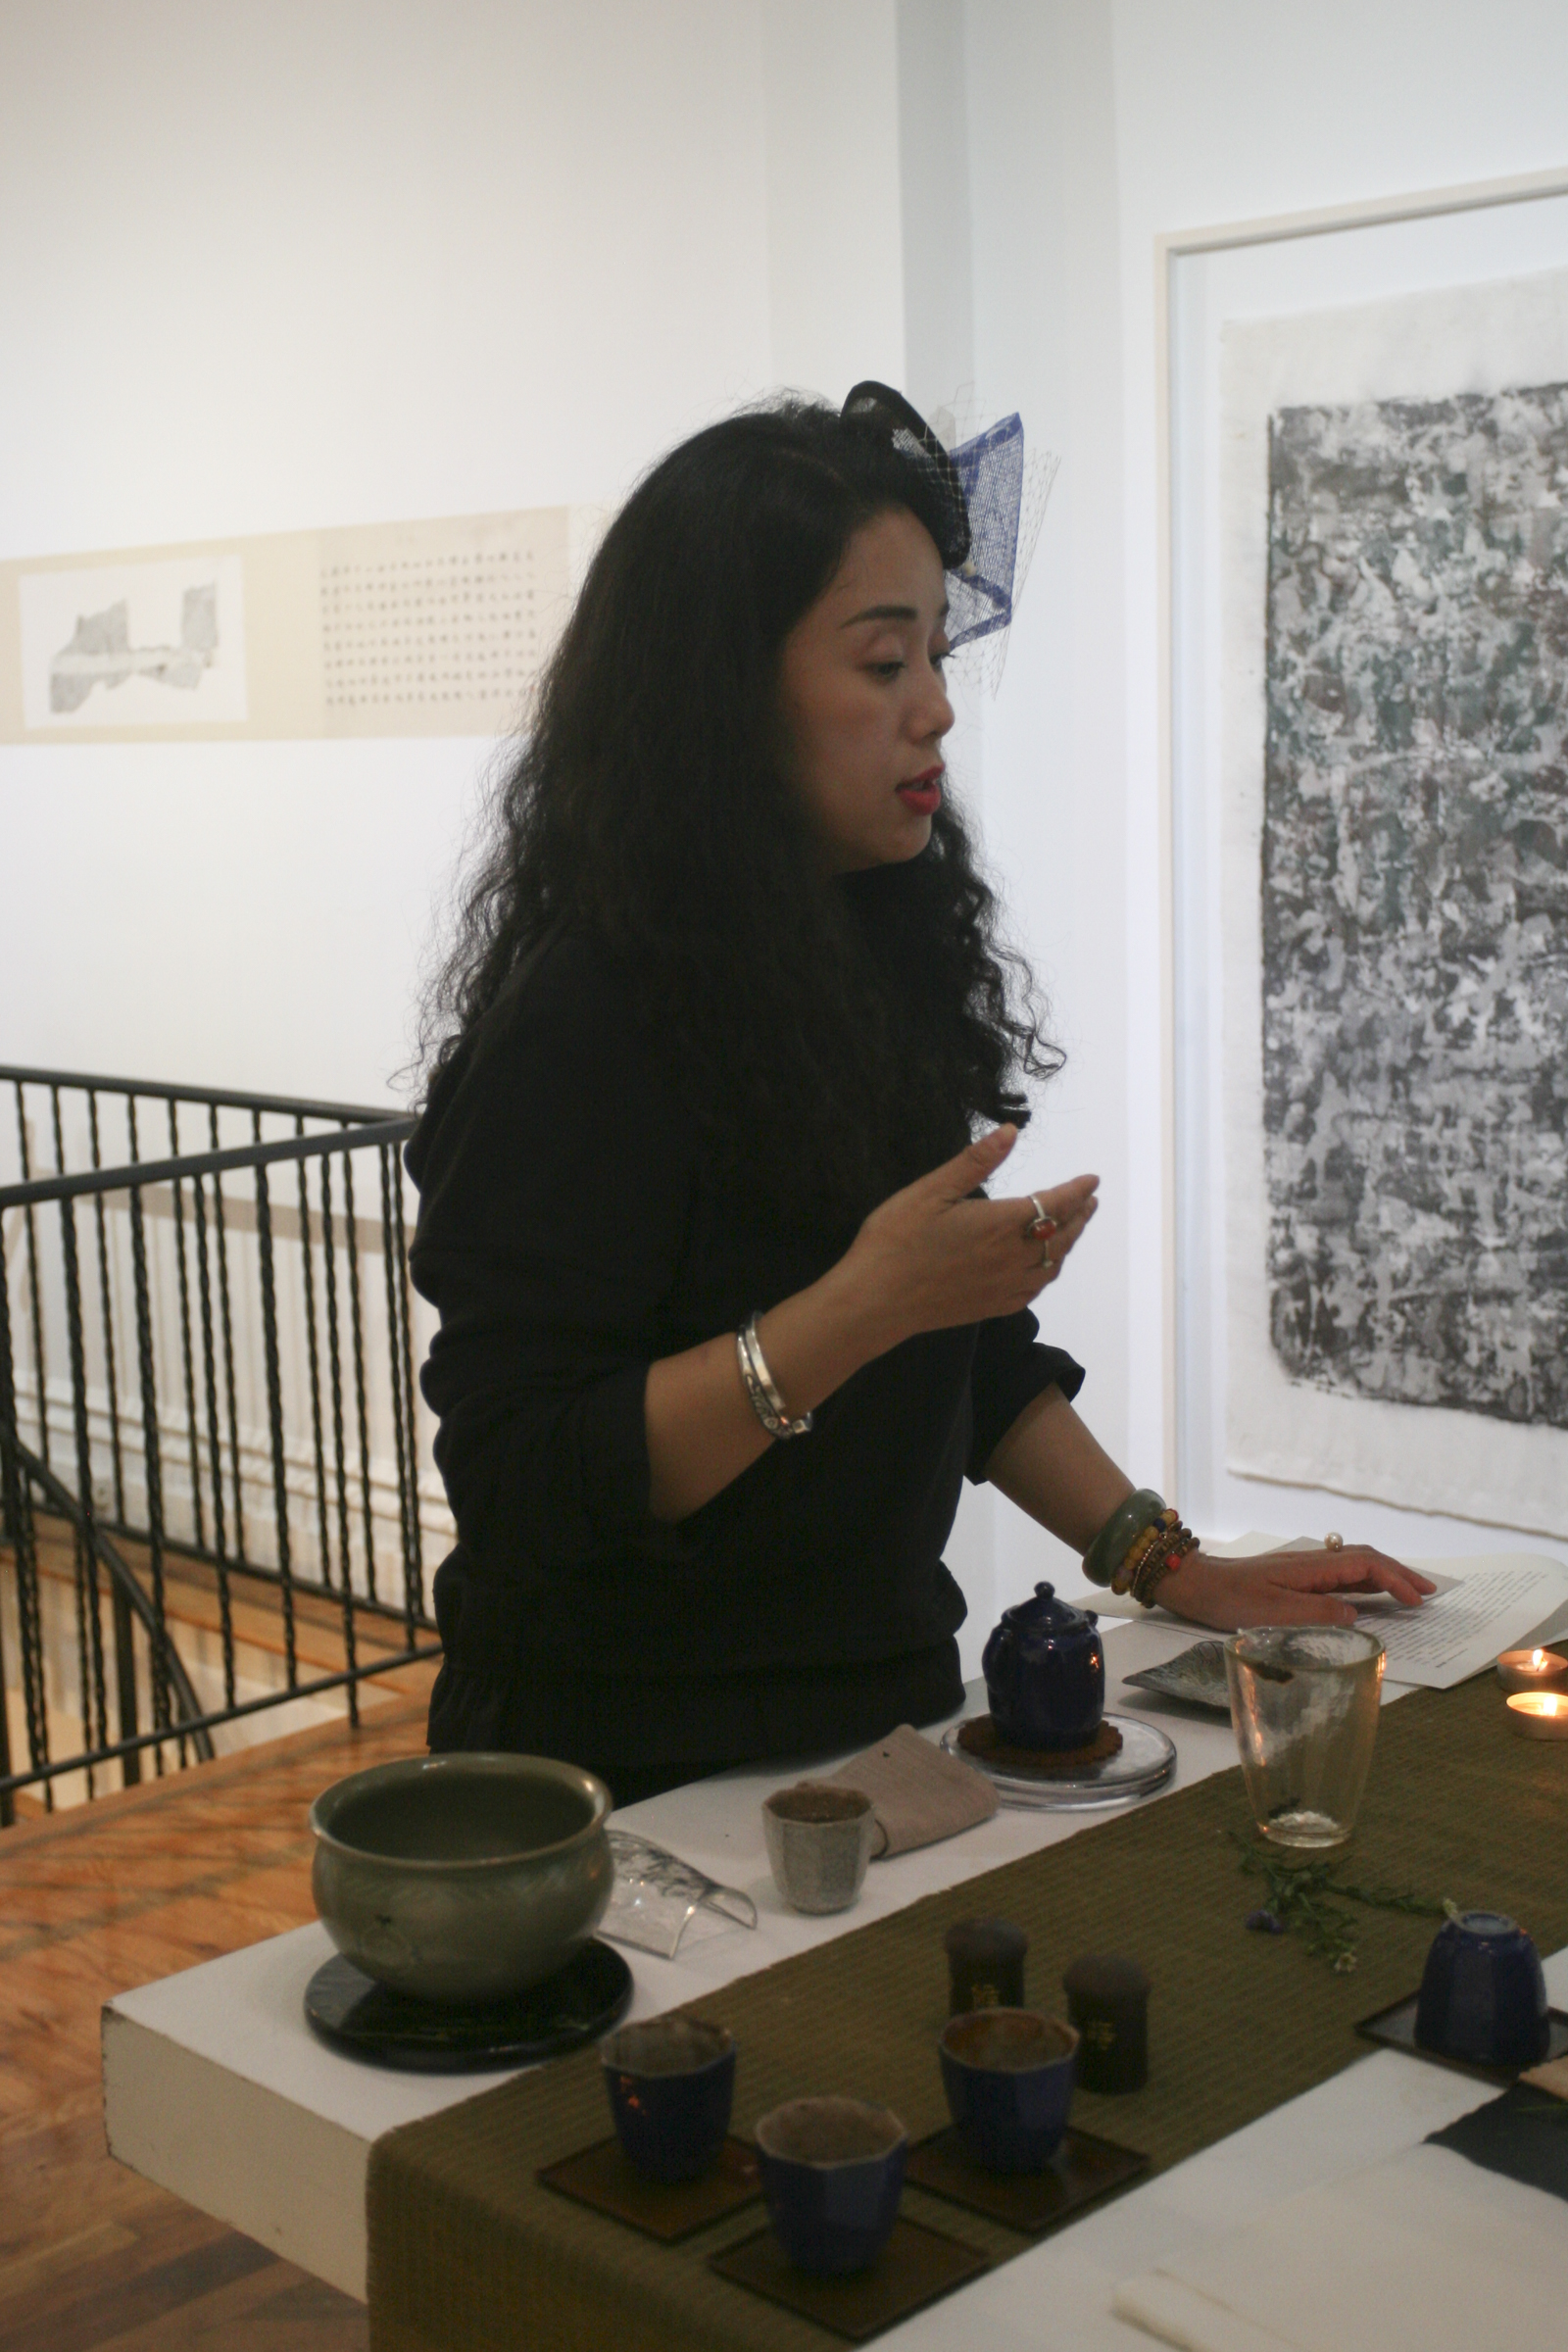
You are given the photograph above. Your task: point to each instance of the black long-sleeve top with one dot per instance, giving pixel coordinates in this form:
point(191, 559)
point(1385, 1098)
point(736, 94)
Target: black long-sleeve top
point(569, 1237)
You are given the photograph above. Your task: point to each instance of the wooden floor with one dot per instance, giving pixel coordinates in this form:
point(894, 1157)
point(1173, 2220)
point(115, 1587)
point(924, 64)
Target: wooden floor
point(109, 1896)
point(194, 1614)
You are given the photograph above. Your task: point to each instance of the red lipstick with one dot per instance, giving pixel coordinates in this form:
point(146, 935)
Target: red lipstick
point(923, 795)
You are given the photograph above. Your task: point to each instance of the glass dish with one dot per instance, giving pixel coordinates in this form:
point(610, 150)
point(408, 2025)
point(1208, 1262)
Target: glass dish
point(1196, 1674)
point(1144, 1761)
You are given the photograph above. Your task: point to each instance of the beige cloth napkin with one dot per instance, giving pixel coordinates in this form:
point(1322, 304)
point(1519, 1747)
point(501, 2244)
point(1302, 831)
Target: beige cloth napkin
point(919, 1793)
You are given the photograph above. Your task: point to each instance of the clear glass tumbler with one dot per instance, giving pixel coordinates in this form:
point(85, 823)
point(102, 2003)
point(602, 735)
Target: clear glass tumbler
point(1305, 1707)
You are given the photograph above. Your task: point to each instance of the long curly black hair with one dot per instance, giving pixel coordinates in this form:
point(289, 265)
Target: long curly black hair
point(832, 1038)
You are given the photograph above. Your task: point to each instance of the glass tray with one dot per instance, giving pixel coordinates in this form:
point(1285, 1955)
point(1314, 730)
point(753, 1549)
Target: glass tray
point(1144, 1761)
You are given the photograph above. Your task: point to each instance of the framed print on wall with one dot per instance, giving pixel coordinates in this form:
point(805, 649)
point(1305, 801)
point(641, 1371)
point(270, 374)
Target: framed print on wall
point(1368, 764)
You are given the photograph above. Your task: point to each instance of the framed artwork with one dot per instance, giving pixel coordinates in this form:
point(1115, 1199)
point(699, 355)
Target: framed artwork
point(1368, 738)
point(433, 627)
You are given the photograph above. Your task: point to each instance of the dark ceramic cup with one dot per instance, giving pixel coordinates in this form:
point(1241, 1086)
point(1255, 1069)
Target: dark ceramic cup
point(1107, 2002)
point(1008, 2076)
point(671, 2081)
point(985, 1965)
point(832, 2176)
point(1483, 1995)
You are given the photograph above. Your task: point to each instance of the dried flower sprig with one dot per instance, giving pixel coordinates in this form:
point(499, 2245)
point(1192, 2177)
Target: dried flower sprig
point(1308, 1898)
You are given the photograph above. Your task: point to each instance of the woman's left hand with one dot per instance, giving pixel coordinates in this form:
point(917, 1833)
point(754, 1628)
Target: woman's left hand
point(1286, 1587)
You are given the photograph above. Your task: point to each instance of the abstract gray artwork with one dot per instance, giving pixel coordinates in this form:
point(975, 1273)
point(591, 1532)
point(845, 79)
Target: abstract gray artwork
point(1415, 901)
point(101, 654)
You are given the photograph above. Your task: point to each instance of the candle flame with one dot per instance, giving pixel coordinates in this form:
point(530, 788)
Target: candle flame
point(1537, 1659)
point(1550, 1703)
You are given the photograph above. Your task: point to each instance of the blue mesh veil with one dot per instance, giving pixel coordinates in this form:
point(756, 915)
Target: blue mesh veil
point(982, 491)
point(980, 591)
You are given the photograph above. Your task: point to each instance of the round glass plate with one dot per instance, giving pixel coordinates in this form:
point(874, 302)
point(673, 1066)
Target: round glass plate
point(1145, 1760)
point(578, 2004)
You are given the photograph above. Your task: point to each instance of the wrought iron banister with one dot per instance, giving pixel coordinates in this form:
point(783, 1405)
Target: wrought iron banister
point(233, 1392)
point(140, 1174)
point(221, 1097)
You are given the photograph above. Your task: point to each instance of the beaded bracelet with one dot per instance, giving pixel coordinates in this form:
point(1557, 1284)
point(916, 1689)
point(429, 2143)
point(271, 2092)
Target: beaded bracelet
point(1168, 1553)
point(761, 1390)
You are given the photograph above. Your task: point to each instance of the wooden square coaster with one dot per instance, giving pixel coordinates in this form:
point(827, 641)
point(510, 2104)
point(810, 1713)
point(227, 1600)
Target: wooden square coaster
point(1083, 2168)
point(1396, 2026)
point(913, 2268)
point(603, 2178)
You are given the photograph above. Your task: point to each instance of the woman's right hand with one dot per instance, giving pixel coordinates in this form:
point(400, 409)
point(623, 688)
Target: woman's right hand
point(930, 1256)
point(933, 1255)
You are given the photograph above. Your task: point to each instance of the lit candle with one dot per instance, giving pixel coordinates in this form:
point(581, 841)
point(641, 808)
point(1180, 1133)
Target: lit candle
point(1539, 1714)
point(1532, 1670)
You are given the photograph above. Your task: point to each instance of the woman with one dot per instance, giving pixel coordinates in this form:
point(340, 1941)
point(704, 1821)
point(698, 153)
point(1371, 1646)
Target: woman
point(724, 1015)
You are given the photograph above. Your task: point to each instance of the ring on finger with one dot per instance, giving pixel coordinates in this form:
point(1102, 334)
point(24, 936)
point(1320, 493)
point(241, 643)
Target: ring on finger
point(1043, 1224)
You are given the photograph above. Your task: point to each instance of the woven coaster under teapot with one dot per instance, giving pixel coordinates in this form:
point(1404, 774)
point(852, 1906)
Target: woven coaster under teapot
point(978, 1737)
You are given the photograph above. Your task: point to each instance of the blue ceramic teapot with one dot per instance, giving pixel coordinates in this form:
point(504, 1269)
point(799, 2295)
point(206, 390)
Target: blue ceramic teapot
point(1045, 1670)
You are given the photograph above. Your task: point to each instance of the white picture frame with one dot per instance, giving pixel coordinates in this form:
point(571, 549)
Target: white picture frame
point(1415, 297)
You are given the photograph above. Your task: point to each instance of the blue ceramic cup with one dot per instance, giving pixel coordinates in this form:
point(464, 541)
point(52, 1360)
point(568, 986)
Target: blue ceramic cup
point(832, 2176)
point(1483, 1995)
point(1008, 2076)
point(670, 2083)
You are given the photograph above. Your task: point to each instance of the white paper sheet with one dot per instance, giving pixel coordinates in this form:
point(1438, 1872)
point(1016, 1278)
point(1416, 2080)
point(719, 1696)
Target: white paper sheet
point(1482, 1605)
point(1456, 1633)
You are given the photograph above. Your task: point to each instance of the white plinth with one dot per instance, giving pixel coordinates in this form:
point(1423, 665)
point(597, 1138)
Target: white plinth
point(216, 2089)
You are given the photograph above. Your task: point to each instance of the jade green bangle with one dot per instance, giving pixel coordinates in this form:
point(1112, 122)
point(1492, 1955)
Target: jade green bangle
point(1120, 1532)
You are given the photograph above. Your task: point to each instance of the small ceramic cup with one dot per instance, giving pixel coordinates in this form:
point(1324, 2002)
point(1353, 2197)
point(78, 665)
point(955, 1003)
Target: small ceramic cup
point(670, 2083)
point(1008, 2076)
point(985, 1965)
point(819, 1839)
point(1482, 1996)
point(832, 2174)
point(1108, 2001)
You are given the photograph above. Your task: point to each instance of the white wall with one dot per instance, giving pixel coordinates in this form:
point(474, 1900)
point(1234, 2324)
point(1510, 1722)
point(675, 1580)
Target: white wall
point(1095, 126)
point(1042, 140)
point(337, 261)
point(272, 266)
point(1231, 111)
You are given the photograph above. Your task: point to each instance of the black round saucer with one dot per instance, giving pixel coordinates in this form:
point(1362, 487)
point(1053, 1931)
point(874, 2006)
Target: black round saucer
point(579, 2002)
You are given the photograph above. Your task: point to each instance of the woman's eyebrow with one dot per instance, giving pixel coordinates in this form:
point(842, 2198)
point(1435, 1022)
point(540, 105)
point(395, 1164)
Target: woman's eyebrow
point(891, 612)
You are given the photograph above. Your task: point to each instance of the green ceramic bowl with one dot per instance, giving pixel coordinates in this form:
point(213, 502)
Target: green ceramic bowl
point(462, 1878)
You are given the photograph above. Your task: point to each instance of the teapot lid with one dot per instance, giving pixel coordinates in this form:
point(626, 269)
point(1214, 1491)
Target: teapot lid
point(1046, 1614)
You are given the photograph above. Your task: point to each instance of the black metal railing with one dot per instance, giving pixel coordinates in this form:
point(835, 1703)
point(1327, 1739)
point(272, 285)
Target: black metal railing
point(201, 1364)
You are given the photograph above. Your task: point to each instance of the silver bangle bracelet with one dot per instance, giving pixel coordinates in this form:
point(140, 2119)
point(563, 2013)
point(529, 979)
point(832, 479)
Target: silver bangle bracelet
point(760, 1388)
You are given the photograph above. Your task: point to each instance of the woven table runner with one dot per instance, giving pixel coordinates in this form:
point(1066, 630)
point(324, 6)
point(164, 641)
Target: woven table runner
point(467, 2253)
